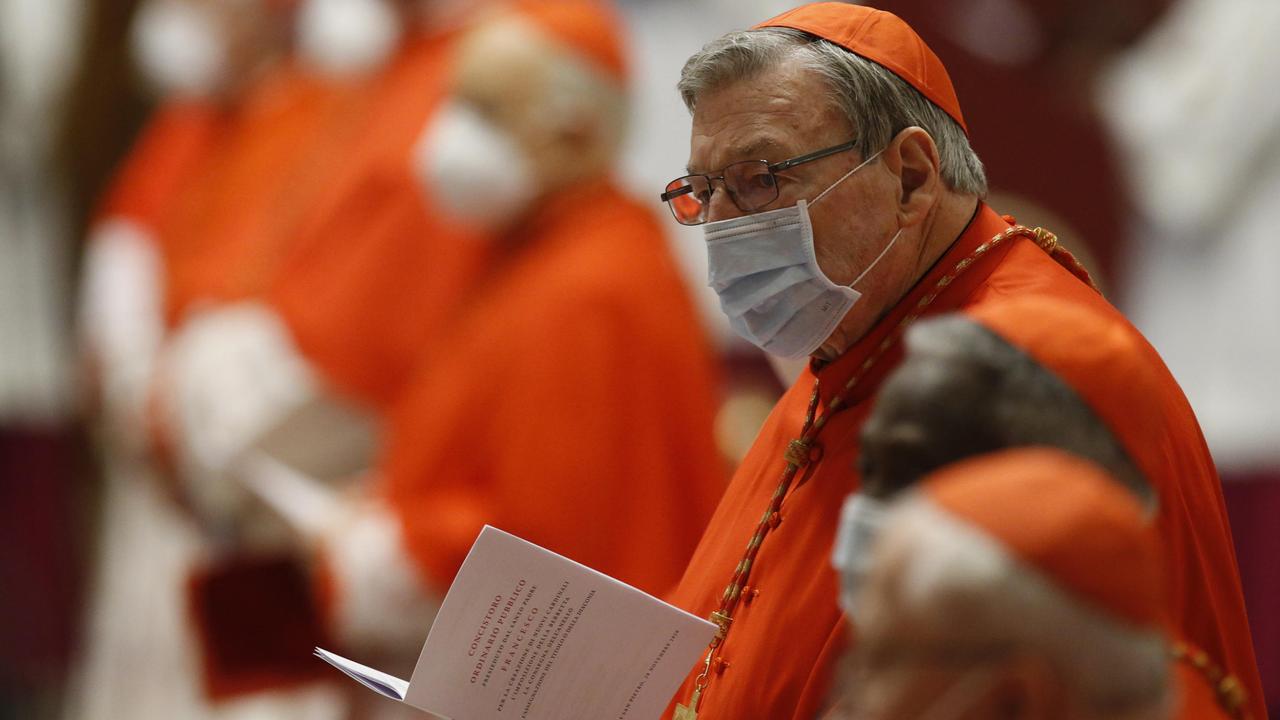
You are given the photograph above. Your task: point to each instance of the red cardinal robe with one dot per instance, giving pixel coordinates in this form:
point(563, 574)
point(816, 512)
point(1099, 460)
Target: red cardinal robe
point(224, 236)
point(572, 405)
point(163, 158)
point(376, 270)
point(777, 659)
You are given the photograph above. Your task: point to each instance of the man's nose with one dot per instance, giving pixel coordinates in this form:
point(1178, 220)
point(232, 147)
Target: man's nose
point(722, 206)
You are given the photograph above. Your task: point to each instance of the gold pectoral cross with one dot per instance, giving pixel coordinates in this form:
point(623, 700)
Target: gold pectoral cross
point(690, 711)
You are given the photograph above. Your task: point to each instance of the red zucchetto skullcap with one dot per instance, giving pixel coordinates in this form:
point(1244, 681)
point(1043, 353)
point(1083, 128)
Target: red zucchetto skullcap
point(591, 29)
point(882, 38)
point(1065, 518)
point(1103, 359)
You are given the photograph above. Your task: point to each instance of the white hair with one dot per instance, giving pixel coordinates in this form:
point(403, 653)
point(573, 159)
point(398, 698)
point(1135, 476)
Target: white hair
point(878, 103)
point(953, 576)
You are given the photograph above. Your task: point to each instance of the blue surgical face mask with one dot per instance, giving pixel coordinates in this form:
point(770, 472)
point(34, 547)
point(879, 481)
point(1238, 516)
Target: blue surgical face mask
point(861, 520)
point(765, 270)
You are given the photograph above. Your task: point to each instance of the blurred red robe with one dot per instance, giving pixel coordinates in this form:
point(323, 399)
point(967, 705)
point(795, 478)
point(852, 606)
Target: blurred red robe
point(572, 405)
point(224, 236)
point(312, 205)
point(376, 271)
point(176, 139)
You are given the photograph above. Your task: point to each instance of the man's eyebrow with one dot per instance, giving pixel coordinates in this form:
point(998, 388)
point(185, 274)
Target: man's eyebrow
point(750, 151)
point(754, 150)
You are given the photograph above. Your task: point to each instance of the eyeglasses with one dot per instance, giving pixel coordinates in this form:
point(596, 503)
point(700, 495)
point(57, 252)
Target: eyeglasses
point(752, 185)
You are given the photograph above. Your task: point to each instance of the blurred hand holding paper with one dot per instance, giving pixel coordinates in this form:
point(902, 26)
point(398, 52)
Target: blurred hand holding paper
point(527, 633)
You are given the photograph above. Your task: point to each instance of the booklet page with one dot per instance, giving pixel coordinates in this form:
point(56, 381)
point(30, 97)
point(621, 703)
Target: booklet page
point(525, 633)
point(376, 680)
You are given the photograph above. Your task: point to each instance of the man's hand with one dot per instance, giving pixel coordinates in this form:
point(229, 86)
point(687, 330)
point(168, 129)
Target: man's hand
point(380, 600)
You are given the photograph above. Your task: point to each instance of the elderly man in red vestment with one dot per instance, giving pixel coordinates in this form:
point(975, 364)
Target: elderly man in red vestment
point(572, 400)
point(830, 160)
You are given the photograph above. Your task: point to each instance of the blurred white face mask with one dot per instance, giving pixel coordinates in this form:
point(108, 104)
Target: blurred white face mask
point(346, 37)
point(861, 520)
point(179, 48)
point(473, 169)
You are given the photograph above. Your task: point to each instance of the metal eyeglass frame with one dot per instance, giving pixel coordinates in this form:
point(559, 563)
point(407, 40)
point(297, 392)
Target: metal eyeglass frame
point(773, 168)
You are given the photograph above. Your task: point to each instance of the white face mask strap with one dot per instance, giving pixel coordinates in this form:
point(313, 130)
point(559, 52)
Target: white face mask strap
point(879, 257)
point(844, 177)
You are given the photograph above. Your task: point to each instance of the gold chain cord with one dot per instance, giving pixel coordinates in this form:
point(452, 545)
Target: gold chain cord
point(1230, 692)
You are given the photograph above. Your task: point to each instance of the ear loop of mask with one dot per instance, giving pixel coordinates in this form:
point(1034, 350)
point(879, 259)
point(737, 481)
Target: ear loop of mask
point(879, 257)
point(844, 177)
point(896, 235)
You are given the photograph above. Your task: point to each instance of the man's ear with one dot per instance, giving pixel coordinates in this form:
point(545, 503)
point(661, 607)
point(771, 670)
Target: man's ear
point(912, 156)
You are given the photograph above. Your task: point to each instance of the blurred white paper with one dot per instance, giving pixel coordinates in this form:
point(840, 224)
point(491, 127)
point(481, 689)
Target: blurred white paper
point(526, 633)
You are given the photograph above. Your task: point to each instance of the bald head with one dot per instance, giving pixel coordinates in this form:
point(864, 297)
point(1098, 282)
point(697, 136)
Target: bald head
point(962, 391)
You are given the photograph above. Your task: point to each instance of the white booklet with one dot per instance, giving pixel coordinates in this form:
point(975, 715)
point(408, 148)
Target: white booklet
point(525, 633)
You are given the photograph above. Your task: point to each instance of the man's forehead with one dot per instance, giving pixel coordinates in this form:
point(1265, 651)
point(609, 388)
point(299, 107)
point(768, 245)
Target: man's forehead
point(759, 145)
point(771, 116)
